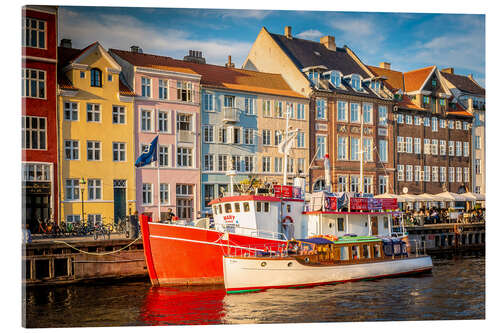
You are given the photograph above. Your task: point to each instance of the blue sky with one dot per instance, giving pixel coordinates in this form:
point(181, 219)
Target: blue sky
point(407, 40)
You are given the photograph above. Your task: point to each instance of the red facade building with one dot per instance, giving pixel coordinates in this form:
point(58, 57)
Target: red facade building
point(39, 114)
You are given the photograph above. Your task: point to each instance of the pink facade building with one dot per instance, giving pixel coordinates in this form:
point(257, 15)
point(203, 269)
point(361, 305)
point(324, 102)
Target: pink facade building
point(166, 105)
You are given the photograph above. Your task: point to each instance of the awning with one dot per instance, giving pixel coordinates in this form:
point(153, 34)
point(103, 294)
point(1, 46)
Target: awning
point(450, 196)
point(474, 196)
point(427, 197)
point(409, 198)
point(389, 196)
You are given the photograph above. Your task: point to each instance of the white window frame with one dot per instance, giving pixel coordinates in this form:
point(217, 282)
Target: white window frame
point(367, 113)
point(185, 154)
point(342, 111)
point(119, 112)
point(94, 112)
point(28, 132)
point(94, 189)
point(146, 87)
point(71, 112)
point(355, 112)
point(39, 32)
point(163, 121)
point(94, 147)
point(163, 89)
point(147, 194)
point(120, 148)
point(73, 148)
point(72, 189)
point(401, 172)
point(34, 83)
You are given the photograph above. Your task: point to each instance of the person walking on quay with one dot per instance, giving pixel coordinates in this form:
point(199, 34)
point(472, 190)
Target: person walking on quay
point(170, 215)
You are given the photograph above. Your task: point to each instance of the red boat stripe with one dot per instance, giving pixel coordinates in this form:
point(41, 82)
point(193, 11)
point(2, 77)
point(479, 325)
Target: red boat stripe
point(329, 282)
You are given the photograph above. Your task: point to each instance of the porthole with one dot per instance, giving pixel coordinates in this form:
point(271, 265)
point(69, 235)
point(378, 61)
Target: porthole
point(263, 264)
point(289, 264)
point(307, 259)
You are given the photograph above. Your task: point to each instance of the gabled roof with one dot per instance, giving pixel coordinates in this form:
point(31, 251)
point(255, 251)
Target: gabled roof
point(213, 75)
point(464, 83)
point(414, 80)
point(394, 80)
point(406, 103)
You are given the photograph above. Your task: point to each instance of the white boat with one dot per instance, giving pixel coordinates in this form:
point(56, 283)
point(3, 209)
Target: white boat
point(319, 261)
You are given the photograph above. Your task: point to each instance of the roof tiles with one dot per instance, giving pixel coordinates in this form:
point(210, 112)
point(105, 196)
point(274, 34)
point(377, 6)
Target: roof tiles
point(414, 80)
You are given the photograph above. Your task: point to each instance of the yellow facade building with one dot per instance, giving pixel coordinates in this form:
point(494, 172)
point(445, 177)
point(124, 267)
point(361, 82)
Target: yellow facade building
point(96, 131)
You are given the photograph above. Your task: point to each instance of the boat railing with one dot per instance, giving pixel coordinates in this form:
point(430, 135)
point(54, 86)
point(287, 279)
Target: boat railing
point(265, 250)
point(233, 228)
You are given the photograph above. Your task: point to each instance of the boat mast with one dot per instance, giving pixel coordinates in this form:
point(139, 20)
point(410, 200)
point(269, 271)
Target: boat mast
point(286, 150)
point(361, 182)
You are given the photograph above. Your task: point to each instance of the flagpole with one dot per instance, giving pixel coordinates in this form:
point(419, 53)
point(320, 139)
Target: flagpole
point(286, 151)
point(158, 169)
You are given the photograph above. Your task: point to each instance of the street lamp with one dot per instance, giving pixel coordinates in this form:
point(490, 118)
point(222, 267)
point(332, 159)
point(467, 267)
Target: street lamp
point(82, 188)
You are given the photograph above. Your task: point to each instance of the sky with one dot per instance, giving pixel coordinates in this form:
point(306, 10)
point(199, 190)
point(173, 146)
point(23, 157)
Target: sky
point(407, 40)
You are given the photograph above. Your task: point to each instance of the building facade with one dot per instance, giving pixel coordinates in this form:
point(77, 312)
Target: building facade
point(471, 96)
point(349, 109)
point(168, 106)
point(39, 110)
point(96, 136)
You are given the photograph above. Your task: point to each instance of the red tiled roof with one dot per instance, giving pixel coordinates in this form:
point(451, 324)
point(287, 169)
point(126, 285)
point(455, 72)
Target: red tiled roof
point(394, 78)
point(406, 103)
point(213, 75)
point(413, 80)
point(124, 89)
point(460, 113)
point(64, 82)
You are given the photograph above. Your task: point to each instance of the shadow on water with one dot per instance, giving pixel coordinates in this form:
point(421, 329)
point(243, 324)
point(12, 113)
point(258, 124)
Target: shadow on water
point(454, 290)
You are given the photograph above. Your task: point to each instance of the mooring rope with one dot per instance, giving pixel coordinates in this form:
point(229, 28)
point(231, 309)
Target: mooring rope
point(97, 254)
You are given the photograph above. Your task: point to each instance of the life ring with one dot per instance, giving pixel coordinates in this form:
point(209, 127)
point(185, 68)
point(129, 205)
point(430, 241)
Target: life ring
point(458, 229)
point(286, 220)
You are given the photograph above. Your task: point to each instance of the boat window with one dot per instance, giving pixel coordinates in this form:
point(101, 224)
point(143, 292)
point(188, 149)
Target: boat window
point(266, 206)
point(288, 208)
point(386, 222)
point(376, 251)
point(355, 252)
point(236, 207)
point(246, 207)
point(259, 205)
point(388, 248)
point(227, 208)
point(366, 251)
point(340, 224)
point(344, 253)
point(214, 209)
point(397, 248)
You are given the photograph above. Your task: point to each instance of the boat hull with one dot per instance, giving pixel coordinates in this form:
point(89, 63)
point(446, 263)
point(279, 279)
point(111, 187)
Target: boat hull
point(250, 274)
point(183, 255)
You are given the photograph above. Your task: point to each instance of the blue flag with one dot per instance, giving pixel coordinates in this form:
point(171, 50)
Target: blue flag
point(149, 155)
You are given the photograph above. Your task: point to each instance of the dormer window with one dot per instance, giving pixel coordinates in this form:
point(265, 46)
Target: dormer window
point(314, 76)
point(425, 100)
point(335, 79)
point(356, 82)
point(95, 77)
point(376, 85)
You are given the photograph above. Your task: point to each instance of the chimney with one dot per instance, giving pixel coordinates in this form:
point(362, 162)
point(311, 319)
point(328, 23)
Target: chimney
point(385, 65)
point(329, 42)
point(135, 49)
point(229, 64)
point(195, 56)
point(470, 76)
point(288, 32)
point(448, 70)
point(65, 42)
point(470, 105)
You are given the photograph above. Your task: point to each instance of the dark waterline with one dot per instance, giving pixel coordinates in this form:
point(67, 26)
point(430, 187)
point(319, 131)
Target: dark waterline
point(455, 290)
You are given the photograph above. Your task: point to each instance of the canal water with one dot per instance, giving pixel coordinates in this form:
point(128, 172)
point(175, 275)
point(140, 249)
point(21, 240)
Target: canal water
point(454, 290)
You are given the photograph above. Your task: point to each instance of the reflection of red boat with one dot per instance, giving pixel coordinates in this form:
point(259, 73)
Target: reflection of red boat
point(185, 305)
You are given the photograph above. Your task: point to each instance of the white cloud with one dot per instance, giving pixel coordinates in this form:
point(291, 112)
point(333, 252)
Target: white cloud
point(122, 31)
point(310, 34)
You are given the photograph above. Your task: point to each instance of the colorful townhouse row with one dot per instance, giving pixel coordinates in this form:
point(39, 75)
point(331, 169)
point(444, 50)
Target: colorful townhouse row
point(89, 113)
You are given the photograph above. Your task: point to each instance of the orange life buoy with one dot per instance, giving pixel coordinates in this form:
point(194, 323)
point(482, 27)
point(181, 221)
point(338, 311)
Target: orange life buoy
point(458, 229)
point(286, 220)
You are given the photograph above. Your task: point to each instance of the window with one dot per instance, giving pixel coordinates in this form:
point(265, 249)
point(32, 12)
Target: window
point(164, 193)
point(367, 113)
point(356, 82)
point(300, 165)
point(93, 112)
point(208, 162)
point(93, 150)
point(434, 147)
point(33, 83)
point(249, 164)
point(477, 189)
point(278, 109)
point(442, 174)
point(222, 135)
point(95, 77)
point(184, 91)
point(354, 113)
point(342, 184)
point(459, 175)
point(248, 136)
point(435, 173)
point(266, 164)
point(341, 111)
point(417, 120)
point(466, 149)
point(72, 189)
point(416, 142)
point(163, 89)
point(335, 79)
point(367, 185)
point(409, 173)
point(382, 115)
point(94, 218)
point(209, 194)
point(94, 189)
point(34, 33)
point(367, 149)
point(418, 171)
point(320, 108)
point(355, 149)
point(71, 149)
point(466, 175)
point(266, 137)
point(434, 124)
point(71, 111)
point(451, 174)
point(401, 144)
point(409, 145)
point(208, 133)
point(183, 122)
point(427, 146)
point(450, 124)
point(427, 173)
point(427, 121)
point(477, 166)
point(458, 148)
point(354, 183)
point(146, 121)
point(400, 118)
point(162, 121)
point(208, 101)
point(409, 119)
point(442, 147)
point(82, 75)
point(249, 105)
point(477, 142)
point(246, 206)
point(164, 156)
point(118, 114)
point(301, 114)
point(401, 172)
point(278, 164)
point(147, 194)
point(442, 123)
point(458, 125)
point(184, 190)
point(184, 157)
point(465, 126)
point(382, 184)
point(451, 148)
point(119, 152)
point(301, 140)
point(34, 135)
point(382, 150)
point(110, 77)
point(222, 163)
point(375, 85)
point(266, 108)
point(425, 100)
point(342, 148)
point(236, 161)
